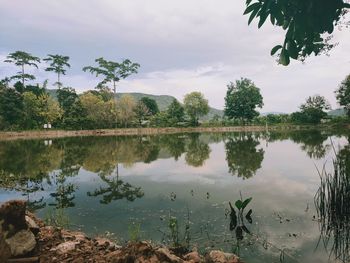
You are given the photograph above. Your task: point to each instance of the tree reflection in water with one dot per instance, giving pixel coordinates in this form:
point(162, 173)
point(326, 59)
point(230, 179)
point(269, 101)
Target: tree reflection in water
point(242, 156)
point(197, 151)
point(64, 194)
point(332, 204)
point(116, 189)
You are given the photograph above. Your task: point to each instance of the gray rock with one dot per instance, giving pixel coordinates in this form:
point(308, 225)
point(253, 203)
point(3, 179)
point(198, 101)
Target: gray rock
point(32, 225)
point(65, 247)
point(165, 255)
point(5, 252)
point(21, 243)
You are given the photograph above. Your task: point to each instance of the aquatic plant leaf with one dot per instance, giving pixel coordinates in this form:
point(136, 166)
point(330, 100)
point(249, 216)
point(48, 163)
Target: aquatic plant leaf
point(246, 202)
point(248, 216)
point(238, 204)
point(239, 233)
point(233, 218)
point(245, 229)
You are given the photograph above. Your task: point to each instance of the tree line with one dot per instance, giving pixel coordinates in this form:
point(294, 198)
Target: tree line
point(243, 98)
point(25, 106)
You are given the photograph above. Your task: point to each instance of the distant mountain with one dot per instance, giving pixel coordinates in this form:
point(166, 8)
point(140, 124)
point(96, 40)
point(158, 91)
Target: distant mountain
point(163, 102)
point(337, 112)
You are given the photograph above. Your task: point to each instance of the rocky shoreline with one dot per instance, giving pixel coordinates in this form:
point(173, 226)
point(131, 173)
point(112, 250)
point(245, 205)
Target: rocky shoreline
point(24, 239)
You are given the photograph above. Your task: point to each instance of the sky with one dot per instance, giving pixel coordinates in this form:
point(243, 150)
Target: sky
point(182, 46)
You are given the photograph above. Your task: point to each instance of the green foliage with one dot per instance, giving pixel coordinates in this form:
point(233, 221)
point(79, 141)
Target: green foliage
point(141, 112)
point(11, 108)
point(134, 230)
point(343, 94)
point(242, 98)
point(126, 110)
point(21, 59)
point(312, 111)
point(58, 63)
point(161, 119)
point(175, 112)
point(195, 105)
point(99, 113)
point(237, 219)
point(112, 71)
point(306, 32)
point(151, 104)
point(74, 114)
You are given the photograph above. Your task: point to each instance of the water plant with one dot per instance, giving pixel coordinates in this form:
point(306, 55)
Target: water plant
point(180, 240)
point(134, 230)
point(57, 217)
point(332, 205)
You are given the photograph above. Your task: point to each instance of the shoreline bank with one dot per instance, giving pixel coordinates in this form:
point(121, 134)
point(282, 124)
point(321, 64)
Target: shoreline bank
point(24, 238)
point(52, 134)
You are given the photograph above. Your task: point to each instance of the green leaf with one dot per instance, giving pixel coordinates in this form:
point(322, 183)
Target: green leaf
point(248, 216)
point(275, 49)
point(233, 218)
point(284, 58)
point(263, 18)
point(238, 204)
point(252, 15)
point(251, 8)
point(273, 20)
point(292, 49)
point(246, 202)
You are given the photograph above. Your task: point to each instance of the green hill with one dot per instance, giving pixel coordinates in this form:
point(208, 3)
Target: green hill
point(163, 101)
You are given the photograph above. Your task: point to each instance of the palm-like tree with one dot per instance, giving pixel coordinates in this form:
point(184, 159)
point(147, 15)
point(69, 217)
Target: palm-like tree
point(21, 59)
point(58, 63)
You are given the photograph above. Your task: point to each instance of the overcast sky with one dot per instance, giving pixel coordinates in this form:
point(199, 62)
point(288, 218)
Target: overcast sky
point(182, 46)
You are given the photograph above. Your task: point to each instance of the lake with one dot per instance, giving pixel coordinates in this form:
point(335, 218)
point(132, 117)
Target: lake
point(176, 189)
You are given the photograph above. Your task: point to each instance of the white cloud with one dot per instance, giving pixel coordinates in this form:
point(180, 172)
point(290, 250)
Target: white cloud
point(181, 45)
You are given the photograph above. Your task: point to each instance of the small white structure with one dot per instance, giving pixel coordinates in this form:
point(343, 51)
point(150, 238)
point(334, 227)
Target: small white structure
point(47, 126)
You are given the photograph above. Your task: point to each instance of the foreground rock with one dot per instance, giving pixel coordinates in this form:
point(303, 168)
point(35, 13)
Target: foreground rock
point(25, 238)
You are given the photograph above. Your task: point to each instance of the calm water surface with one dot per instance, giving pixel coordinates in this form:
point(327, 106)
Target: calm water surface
point(135, 186)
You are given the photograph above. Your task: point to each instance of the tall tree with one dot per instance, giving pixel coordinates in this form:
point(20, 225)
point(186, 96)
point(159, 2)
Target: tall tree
point(176, 112)
point(312, 111)
point(309, 24)
point(343, 94)
point(11, 107)
point(151, 104)
point(112, 71)
point(195, 106)
point(74, 114)
point(22, 59)
point(242, 98)
point(58, 64)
